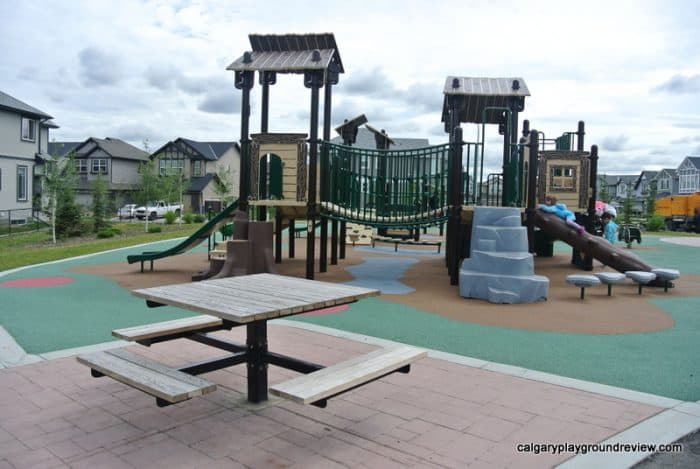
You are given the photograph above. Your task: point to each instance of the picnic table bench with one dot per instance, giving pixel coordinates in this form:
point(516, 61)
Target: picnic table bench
point(249, 300)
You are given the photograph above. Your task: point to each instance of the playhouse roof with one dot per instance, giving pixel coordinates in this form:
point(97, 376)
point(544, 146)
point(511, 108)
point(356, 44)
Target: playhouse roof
point(481, 93)
point(289, 53)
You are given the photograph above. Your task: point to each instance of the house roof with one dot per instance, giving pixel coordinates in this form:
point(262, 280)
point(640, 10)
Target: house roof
point(670, 171)
point(211, 151)
point(13, 104)
point(694, 160)
point(197, 184)
point(365, 139)
point(62, 148)
point(112, 146)
point(289, 53)
point(481, 93)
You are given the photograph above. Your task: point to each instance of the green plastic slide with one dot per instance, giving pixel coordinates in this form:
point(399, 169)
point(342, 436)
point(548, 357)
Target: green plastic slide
point(194, 240)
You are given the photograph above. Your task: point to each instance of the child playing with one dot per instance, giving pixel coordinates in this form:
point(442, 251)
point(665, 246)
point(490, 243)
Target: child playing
point(551, 206)
point(609, 227)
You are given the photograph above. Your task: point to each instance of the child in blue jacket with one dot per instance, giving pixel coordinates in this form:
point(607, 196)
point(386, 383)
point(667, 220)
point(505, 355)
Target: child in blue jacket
point(609, 228)
point(551, 206)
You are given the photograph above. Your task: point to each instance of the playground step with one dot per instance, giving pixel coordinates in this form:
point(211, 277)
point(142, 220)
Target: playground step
point(501, 262)
point(498, 238)
point(341, 377)
point(166, 384)
point(519, 288)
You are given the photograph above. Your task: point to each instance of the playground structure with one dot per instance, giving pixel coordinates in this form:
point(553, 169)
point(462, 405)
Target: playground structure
point(306, 177)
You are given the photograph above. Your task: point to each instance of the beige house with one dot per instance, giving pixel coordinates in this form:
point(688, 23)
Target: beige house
point(199, 163)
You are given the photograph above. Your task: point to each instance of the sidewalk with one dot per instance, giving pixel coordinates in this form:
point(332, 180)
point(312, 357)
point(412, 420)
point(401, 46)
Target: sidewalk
point(450, 411)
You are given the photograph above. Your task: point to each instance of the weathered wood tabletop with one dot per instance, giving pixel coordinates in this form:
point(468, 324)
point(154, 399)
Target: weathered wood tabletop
point(255, 297)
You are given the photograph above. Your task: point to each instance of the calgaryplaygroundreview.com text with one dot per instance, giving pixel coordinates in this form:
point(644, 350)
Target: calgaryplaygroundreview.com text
point(584, 448)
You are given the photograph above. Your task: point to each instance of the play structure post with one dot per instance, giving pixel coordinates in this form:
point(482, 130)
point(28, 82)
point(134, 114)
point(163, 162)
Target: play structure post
point(533, 147)
point(313, 79)
point(588, 260)
point(580, 133)
point(266, 79)
point(331, 79)
point(244, 81)
point(456, 197)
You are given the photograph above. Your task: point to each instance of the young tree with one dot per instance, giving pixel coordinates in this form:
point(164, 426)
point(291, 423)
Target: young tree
point(627, 205)
point(223, 185)
point(149, 187)
point(650, 205)
point(59, 177)
point(603, 190)
point(99, 203)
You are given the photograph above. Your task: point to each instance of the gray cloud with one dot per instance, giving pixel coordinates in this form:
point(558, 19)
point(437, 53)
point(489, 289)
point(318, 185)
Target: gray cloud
point(680, 84)
point(167, 77)
point(136, 134)
point(162, 77)
point(616, 143)
point(368, 83)
point(686, 140)
point(222, 101)
point(98, 68)
point(423, 97)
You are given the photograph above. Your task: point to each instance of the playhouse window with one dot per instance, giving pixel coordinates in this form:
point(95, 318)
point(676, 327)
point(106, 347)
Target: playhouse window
point(563, 178)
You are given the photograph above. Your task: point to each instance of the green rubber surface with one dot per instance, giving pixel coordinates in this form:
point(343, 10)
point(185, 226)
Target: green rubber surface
point(666, 362)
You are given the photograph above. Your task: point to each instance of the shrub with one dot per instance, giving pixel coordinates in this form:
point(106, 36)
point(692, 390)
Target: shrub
point(199, 218)
point(188, 218)
point(170, 217)
point(116, 231)
point(655, 223)
point(154, 229)
point(105, 233)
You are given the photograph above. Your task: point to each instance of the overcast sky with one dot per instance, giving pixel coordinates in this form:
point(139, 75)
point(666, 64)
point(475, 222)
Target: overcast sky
point(156, 70)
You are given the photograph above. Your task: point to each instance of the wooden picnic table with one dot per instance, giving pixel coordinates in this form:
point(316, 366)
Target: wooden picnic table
point(252, 300)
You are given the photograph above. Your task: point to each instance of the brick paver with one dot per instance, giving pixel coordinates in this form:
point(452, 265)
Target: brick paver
point(54, 414)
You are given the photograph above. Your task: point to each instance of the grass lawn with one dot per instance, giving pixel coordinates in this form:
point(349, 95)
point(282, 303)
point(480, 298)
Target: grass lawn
point(36, 247)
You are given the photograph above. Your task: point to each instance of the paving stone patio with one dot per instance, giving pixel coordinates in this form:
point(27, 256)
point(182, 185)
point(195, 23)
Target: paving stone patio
point(442, 414)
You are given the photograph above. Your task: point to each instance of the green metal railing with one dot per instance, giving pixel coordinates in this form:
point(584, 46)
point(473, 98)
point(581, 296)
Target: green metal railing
point(386, 187)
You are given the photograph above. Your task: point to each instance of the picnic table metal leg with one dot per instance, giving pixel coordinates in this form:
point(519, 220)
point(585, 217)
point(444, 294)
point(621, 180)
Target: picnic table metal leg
point(583, 289)
point(257, 361)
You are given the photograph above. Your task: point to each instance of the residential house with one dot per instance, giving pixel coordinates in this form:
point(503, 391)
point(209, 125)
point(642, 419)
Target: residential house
point(644, 182)
point(24, 137)
point(199, 162)
point(666, 182)
point(618, 187)
point(689, 175)
point(114, 160)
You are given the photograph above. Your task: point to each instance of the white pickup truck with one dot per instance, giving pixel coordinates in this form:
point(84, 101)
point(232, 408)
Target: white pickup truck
point(158, 209)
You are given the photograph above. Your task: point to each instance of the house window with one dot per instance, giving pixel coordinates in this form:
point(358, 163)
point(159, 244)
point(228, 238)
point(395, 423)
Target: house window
point(686, 181)
point(22, 182)
point(28, 129)
point(563, 178)
point(168, 166)
point(81, 166)
point(197, 168)
point(99, 166)
point(664, 184)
